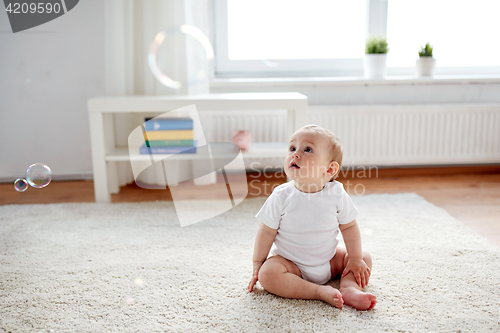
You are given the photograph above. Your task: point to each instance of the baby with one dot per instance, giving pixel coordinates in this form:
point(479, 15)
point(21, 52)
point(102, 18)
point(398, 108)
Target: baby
point(296, 250)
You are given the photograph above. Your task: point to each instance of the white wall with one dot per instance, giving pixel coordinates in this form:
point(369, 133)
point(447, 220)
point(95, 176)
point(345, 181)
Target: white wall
point(47, 74)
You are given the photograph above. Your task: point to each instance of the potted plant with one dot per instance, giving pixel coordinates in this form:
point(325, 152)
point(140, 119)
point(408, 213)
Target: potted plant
point(376, 49)
point(425, 63)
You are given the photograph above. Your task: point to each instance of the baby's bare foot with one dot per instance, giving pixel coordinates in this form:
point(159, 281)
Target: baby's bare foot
point(331, 295)
point(358, 299)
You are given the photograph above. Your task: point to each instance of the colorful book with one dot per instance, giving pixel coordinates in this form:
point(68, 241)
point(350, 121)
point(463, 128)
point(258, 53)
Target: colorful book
point(166, 150)
point(166, 124)
point(169, 135)
point(169, 143)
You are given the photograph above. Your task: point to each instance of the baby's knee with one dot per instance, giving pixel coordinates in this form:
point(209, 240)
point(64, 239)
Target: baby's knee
point(269, 272)
point(265, 274)
point(367, 257)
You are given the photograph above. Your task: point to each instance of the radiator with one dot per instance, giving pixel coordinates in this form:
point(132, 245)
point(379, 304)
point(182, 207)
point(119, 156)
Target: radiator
point(386, 135)
point(265, 126)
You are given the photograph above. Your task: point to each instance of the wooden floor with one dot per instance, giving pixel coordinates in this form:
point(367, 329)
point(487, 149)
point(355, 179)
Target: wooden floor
point(470, 194)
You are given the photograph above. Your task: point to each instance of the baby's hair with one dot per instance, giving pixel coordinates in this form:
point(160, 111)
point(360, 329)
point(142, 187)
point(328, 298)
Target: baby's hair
point(334, 145)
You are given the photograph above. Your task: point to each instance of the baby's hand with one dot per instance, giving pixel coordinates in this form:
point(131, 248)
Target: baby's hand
point(255, 276)
point(360, 270)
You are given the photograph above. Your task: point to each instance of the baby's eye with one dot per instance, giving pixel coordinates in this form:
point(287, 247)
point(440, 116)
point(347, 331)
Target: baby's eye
point(308, 149)
point(292, 148)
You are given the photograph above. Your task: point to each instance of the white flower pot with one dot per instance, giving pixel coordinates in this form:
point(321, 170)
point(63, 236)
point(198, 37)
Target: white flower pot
point(425, 66)
point(375, 66)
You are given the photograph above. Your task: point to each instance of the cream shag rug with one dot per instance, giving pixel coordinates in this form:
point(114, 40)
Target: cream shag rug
point(132, 268)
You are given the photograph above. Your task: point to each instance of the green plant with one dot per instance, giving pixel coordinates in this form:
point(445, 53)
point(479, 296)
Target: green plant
point(425, 51)
point(376, 44)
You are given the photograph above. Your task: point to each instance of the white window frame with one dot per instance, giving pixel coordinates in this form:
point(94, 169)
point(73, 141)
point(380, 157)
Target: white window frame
point(376, 24)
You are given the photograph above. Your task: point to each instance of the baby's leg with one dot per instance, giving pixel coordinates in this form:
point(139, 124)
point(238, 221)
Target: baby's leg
point(283, 278)
point(351, 292)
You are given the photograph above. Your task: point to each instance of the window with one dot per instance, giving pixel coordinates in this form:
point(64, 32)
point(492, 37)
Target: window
point(295, 30)
point(463, 34)
point(286, 37)
point(275, 38)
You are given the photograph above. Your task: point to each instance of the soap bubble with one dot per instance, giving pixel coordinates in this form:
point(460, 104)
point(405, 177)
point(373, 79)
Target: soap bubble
point(176, 45)
point(20, 185)
point(129, 299)
point(38, 175)
point(134, 292)
point(270, 63)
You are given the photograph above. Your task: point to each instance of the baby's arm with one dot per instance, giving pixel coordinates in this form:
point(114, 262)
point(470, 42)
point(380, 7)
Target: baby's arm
point(263, 241)
point(356, 264)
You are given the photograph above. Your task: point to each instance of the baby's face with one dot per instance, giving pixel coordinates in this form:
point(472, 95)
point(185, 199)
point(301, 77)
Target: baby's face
point(308, 159)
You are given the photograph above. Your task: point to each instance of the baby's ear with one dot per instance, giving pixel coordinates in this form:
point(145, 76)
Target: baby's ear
point(333, 168)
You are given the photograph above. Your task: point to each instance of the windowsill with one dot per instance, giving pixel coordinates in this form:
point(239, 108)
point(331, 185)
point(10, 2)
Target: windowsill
point(353, 81)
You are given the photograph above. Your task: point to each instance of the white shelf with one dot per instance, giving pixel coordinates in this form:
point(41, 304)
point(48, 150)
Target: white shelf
point(105, 154)
point(203, 102)
point(256, 150)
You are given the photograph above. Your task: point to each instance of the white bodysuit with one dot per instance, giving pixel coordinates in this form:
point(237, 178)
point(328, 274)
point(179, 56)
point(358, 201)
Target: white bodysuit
point(308, 226)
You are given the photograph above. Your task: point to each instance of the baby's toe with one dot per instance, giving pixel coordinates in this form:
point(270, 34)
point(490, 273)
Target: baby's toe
point(373, 300)
point(337, 294)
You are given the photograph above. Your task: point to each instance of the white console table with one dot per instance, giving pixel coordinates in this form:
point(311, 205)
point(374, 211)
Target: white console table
point(101, 111)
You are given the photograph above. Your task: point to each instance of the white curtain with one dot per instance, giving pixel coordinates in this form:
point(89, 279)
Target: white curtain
point(131, 26)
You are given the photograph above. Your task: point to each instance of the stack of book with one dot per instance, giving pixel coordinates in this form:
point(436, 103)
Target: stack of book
point(168, 136)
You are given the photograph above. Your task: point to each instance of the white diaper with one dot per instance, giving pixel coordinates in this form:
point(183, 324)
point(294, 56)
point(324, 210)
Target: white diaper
point(316, 274)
